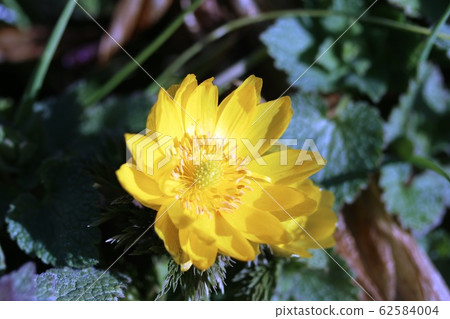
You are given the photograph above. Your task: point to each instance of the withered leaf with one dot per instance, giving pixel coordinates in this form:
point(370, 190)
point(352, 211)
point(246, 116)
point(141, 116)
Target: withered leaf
point(386, 259)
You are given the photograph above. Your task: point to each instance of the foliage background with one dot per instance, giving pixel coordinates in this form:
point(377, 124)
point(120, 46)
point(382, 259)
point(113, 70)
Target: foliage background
point(377, 105)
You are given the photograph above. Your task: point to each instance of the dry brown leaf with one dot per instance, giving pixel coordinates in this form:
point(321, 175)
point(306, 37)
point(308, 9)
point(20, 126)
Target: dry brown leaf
point(17, 45)
point(385, 258)
point(152, 12)
point(129, 17)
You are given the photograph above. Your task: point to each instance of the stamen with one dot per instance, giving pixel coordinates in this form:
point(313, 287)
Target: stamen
point(209, 186)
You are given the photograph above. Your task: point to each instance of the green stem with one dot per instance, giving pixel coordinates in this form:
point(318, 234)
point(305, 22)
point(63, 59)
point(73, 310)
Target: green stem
point(403, 26)
point(422, 60)
point(242, 22)
point(432, 38)
point(426, 163)
point(141, 58)
point(37, 79)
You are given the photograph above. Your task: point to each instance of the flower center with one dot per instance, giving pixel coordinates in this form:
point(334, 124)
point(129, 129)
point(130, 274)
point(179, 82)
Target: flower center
point(208, 179)
point(208, 174)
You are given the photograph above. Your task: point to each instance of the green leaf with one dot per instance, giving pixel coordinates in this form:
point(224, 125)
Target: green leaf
point(319, 260)
point(60, 117)
point(119, 113)
point(444, 44)
point(195, 284)
point(258, 281)
point(315, 281)
point(7, 192)
point(437, 245)
point(2, 260)
point(19, 285)
point(37, 78)
point(57, 229)
point(89, 284)
point(426, 101)
point(410, 7)
point(338, 24)
point(286, 41)
point(435, 95)
point(15, 149)
point(431, 10)
point(418, 200)
point(351, 142)
point(374, 87)
point(314, 61)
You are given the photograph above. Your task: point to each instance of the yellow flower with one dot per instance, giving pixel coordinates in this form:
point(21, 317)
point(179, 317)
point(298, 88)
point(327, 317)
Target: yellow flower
point(219, 184)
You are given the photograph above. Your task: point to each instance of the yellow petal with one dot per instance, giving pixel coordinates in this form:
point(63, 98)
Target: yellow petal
point(167, 231)
point(139, 185)
point(316, 230)
point(257, 225)
point(169, 109)
point(201, 254)
point(201, 109)
point(236, 113)
point(232, 243)
point(322, 224)
point(180, 217)
point(252, 81)
point(185, 90)
point(308, 206)
point(172, 90)
point(204, 227)
point(307, 187)
point(163, 112)
point(271, 120)
point(150, 152)
point(270, 197)
point(289, 166)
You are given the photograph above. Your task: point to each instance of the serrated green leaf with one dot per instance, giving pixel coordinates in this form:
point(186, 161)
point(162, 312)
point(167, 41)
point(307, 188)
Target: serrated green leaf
point(319, 260)
point(351, 142)
point(195, 284)
point(258, 280)
point(60, 117)
point(436, 96)
point(338, 24)
point(127, 114)
point(19, 285)
point(417, 200)
point(57, 229)
point(426, 101)
point(374, 87)
point(286, 41)
point(329, 61)
point(300, 282)
point(350, 64)
point(89, 284)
